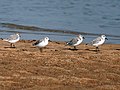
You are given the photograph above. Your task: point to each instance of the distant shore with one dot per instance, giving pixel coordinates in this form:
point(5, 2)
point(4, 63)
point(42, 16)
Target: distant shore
point(59, 67)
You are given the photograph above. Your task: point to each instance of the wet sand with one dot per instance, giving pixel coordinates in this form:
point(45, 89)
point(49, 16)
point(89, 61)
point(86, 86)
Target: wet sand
point(58, 67)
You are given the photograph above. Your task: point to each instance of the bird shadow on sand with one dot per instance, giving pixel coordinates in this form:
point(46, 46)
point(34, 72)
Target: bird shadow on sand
point(93, 50)
point(3, 50)
point(72, 49)
point(32, 47)
point(117, 49)
point(9, 47)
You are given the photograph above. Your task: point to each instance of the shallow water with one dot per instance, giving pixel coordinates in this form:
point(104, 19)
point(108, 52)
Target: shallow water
point(87, 17)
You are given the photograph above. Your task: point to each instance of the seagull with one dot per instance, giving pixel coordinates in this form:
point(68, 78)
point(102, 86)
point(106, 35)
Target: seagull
point(41, 43)
point(98, 41)
point(76, 41)
point(13, 39)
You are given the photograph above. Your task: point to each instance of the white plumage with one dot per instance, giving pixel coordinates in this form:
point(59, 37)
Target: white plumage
point(98, 41)
point(13, 39)
point(75, 41)
point(41, 43)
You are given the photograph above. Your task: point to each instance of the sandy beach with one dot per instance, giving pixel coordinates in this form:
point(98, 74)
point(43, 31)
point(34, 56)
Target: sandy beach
point(58, 67)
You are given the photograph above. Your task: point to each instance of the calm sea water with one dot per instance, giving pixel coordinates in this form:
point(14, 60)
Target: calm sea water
point(92, 17)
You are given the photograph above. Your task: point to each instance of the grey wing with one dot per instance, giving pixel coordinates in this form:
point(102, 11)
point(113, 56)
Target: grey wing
point(12, 37)
point(73, 41)
point(97, 40)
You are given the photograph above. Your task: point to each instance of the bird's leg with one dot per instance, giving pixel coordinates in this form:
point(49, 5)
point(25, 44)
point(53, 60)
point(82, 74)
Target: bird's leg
point(14, 45)
point(41, 50)
point(75, 48)
point(97, 49)
point(11, 45)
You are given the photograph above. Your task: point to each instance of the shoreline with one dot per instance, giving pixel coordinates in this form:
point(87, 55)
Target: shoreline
point(58, 67)
point(34, 32)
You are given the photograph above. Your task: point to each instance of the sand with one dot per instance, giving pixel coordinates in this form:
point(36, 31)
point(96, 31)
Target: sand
point(58, 67)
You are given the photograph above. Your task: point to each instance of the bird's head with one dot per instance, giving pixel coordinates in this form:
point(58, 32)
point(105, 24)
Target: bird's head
point(46, 38)
point(103, 36)
point(18, 34)
point(80, 36)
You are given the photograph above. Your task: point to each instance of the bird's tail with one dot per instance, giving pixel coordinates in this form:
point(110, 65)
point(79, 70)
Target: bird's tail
point(66, 43)
point(88, 44)
point(1, 38)
point(4, 39)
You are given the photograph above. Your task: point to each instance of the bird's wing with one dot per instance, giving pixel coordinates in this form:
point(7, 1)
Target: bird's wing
point(12, 37)
point(97, 40)
point(73, 41)
point(37, 42)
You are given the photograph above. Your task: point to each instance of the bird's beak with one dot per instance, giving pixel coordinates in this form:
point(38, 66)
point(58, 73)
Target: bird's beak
point(1, 38)
point(106, 38)
point(19, 34)
point(83, 37)
point(49, 40)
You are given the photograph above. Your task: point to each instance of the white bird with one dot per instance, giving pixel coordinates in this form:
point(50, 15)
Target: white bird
point(98, 41)
point(41, 43)
point(13, 39)
point(76, 41)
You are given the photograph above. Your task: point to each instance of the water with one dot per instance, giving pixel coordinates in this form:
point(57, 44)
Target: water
point(88, 17)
